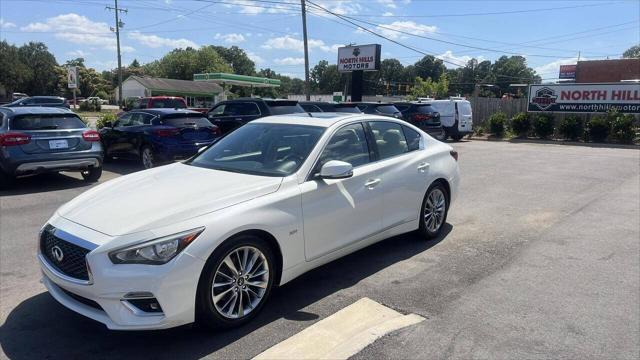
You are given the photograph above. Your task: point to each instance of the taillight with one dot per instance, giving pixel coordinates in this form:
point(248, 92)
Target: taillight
point(454, 154)
point(91, 135)
point(167, 132)
point(14, 139)
point(421, 117)
point(215, 130)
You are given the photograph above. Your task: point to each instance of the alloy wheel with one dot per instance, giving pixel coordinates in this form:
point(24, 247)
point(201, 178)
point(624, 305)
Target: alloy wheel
point(240, 282)
point(434, 210)
point(147, 158)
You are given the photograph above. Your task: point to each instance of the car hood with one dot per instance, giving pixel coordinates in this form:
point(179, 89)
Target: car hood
point(169, 194)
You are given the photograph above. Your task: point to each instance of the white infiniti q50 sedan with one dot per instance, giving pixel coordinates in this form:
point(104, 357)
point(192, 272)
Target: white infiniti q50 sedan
point(207, 239)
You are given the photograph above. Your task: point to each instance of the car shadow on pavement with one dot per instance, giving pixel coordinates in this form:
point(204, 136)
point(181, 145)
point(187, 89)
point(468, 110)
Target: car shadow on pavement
point(44, 183)
point(39, 327)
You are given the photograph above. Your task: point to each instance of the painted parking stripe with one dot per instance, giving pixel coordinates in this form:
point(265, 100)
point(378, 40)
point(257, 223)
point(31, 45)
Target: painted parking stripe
point(342, 334)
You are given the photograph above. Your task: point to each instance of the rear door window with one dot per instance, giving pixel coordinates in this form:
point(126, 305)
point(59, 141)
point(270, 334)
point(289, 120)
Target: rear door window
point(387, 109)
point(46, 122)
point(218, 110)
point(402, 107)
point(389, 138)
point(241, 109)
point(413, 138)
point(424, 109)
point(185, 121)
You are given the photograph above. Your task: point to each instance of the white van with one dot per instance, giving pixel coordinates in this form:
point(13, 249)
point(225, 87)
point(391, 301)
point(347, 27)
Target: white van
point(455, 116)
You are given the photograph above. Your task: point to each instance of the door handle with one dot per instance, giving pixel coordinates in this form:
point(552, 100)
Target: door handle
point(238, 119)
point(422, 167)
point(371, 183)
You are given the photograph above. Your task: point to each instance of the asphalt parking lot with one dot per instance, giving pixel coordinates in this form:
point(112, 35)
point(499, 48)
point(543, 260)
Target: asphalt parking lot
point(540, 259)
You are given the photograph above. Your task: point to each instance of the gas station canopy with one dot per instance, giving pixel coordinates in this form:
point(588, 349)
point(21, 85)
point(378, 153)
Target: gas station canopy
point(239, 80)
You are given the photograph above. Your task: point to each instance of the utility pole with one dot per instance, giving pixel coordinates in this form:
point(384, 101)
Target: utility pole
point(119, 24)
point(307, 88)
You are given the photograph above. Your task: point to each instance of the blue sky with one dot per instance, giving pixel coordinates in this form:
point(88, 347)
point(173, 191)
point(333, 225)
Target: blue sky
point(547, 33)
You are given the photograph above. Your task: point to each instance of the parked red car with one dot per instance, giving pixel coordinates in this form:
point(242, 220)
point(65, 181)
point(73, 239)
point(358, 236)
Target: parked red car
point(156, 102)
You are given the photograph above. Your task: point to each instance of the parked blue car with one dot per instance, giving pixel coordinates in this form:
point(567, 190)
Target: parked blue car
point(156, 136)
point(36, 140)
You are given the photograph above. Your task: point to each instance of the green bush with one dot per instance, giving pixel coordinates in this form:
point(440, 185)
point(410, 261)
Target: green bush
point(496, 123)
point(543, 125)
point(90, 106)
point(102, 95)
point(622, 128)
point(571, 128)
point(103, 118)
point(598, 128)
point(520, 124)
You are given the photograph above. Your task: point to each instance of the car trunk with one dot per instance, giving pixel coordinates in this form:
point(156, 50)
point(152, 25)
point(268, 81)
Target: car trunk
point(51, 133)
point(425, 115)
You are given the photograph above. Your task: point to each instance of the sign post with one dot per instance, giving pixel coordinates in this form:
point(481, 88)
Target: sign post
point(356, 59)
point(585, 98)
point(72, 81)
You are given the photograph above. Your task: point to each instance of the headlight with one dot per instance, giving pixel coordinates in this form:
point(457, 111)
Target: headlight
point(157, 251)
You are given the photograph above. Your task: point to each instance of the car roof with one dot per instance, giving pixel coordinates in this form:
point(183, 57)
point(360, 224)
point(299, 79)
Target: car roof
point(370, 103)
point(46, 97)
point(166, 111)
point(325, 119)
point(34, 110)
point(161, 97)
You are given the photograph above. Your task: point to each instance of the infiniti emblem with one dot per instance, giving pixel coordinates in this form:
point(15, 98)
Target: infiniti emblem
point(57, 253)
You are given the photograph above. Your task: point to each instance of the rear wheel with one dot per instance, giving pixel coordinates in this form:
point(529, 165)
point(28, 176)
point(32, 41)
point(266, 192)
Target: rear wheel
point(93, 174)
point(235, 282)
point(457, 137)
point(433, 214)
point(147, 157)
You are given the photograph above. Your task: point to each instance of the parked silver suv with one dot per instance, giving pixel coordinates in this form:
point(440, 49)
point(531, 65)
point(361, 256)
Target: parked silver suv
point(34, 140)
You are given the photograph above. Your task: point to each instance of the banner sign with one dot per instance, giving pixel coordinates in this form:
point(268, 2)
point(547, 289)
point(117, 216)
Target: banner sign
point(585, 98)
point(72, 77)
point(567, 72)
point(359, 57)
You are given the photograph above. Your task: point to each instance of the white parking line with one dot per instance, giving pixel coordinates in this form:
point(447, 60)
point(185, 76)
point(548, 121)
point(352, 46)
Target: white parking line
point(342, 334)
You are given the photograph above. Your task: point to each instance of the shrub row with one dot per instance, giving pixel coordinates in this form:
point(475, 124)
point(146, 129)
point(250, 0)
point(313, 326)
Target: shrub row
point(611, 126)
point(93, 105)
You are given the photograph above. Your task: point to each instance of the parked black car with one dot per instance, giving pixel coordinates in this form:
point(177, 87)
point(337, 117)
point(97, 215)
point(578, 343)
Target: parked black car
point(48, 101)
point(231, 114)
point(155, 136)
point(321, 106)
point(379, 108)
point(36, 140)
point(423, 116)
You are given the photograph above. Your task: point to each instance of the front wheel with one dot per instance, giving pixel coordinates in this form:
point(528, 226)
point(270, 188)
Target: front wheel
point(433, 213)
point(93, 174)
point(457, 137)
point(235, 283)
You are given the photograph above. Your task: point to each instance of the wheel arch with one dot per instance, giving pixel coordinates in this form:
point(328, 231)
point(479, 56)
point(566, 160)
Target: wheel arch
point(446, 186)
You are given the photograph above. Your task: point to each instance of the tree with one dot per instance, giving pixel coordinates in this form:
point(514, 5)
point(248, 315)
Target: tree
point(632, 52)
point(325, 78)
point(512, 69)
point(183, 63)
point(134, 64)
point(13, 73)
point(40, 64)
point(430, 88)
point(237, 59)
point(429, 67)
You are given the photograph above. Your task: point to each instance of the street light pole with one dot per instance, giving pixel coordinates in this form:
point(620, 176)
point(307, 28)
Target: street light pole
point(117, 31)
point(307, 88)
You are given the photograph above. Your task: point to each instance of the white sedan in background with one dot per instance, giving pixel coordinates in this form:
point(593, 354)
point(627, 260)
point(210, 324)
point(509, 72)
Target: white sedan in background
point(207, 239)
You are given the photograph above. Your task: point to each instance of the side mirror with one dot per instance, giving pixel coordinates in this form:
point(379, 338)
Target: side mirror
point(336, 169)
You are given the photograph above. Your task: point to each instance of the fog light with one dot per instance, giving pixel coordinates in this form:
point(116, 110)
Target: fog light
point(147, 305)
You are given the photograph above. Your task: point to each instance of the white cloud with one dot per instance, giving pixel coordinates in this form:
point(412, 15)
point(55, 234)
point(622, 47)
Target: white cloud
point(388, 3)
point(341, 7)
point(255, 57)
point(78, 53)
point(462, 60)
point(388, 13)
point(253, 8)
point(230, 38)
point(290, 43)
point(6, 24)
point(290, 61)
point(406, 26)
point(78, 29)
point(552, 69)
point(155, 41)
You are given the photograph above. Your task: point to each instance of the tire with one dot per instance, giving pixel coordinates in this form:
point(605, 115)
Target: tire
point(92, 175)
point(148, 157)
point(457, 137)
point(5, 180)
point(436, 193)
point(215, 306)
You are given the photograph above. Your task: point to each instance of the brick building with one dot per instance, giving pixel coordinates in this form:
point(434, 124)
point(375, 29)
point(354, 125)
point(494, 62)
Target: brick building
point(604, 71)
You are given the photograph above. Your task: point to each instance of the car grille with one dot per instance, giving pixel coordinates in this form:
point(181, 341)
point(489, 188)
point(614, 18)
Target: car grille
point(73, 262)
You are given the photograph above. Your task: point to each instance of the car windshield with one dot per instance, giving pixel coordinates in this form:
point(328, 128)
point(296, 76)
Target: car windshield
point(261, 149)
point(168, 103)
point(387, 109)
point(46, 122)
point(424, 109)
point(181, 120)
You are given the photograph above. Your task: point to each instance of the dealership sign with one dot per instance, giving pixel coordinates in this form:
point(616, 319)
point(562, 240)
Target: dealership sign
point(585, 98)
point(72, 77)
point(567, 72)
point(359, 57)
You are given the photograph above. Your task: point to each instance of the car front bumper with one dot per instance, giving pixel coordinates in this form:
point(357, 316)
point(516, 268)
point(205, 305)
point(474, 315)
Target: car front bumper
point(106, 296)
